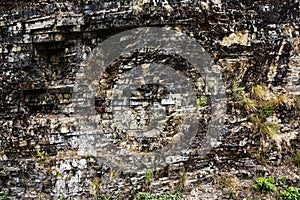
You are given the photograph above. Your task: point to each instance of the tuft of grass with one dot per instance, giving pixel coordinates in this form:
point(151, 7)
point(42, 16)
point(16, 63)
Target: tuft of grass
point(182, 182)
point(269, 129)
point(96, 186)
point(282, 99)
point(148, 176)
point(255, 119)
point(259, 92)
point(260, 156)
point(113, 174)
point(228, 181)
point(264, 185)
point(249, 104)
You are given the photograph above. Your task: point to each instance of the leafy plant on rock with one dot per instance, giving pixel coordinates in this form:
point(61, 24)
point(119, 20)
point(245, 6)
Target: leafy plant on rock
point(238, 91)
point(289, 193)
point(265, 185)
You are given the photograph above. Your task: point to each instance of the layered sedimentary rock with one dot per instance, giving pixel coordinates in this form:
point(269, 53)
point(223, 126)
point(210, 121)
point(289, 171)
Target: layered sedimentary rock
point(44, 44)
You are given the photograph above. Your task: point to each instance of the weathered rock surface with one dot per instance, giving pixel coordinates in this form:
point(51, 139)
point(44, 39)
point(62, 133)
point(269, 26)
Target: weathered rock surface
point(43, 43)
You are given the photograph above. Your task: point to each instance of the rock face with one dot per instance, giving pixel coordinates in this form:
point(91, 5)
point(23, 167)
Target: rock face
point(45, 44)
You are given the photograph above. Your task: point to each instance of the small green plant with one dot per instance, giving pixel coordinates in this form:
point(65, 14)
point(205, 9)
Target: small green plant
point(41, 155)
point(266, 111)
point(148, 176)
point(57, 173)
point(231, 194)
point(261, 158)
point(282, 181)
point(289, 193)
point(264, 184)
point(165, 196)
point(143, 196)
point(201, 101)
point(239, 91)
point(249, 104)
point(103, 197)
point(4, 196)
